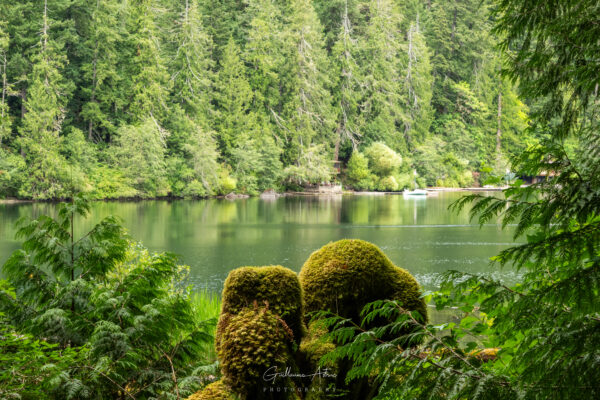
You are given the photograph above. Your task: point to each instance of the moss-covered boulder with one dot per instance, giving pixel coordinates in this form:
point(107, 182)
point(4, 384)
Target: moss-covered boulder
point(253, 342)
point(277, 286)
point(215, 391)
point(344, 276)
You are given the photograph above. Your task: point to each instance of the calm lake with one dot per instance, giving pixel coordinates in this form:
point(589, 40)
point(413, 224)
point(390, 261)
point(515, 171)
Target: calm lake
point(216, 236)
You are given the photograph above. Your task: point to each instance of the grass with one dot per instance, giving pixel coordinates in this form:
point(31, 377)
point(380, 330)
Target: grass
point(207, 306)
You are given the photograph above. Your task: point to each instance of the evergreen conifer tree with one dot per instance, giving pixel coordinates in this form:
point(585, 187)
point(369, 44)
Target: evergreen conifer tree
point(48, 174)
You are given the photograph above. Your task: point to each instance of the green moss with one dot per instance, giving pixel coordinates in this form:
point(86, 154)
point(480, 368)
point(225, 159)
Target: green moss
point(344, 276)
point(252, 342)
point(314, 345)
point(215, 391)
point(275, 285)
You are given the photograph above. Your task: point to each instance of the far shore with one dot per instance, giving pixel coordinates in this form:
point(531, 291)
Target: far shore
point(288, 194)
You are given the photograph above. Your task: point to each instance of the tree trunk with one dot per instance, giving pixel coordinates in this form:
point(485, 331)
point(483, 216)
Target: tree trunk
point(336, 152)
point(23, 96)
point(453, 26)
point(499, 131)
point(93, 97)
point(3, 84)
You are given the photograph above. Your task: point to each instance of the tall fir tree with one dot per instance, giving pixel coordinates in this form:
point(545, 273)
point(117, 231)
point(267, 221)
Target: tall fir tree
point(233, 99)
point(265, 55)
point(5, 117)
point(102, 90)
point(380, 105)
point(48, 174)
point(349, 89)
point(147, 70)
point(191, 109)
point(308, 103)
point(417, 86)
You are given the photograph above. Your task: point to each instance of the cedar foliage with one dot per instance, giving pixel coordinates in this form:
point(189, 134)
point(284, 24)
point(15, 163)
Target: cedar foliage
point(547, 327)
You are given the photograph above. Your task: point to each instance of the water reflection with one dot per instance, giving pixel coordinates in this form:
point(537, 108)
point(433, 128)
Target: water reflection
point(215, 236)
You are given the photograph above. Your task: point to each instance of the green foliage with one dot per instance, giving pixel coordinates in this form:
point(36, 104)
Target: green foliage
point(541, 335)
point(139, 151)
point(28, 367)
point(121, 317)
point(315, 345)
point(272, 92)
point(313, 166)
point(226, 183)
point(439, 167)
point(387, 184)
point(358, 173)
point(11, 173)
point(344, 276)
point(109, 183)
point(256, 164)
point(383, 161)
point(102, 88)
point(233, 96)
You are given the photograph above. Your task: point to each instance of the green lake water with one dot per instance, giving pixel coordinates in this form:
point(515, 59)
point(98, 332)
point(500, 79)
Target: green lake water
point(215, 236)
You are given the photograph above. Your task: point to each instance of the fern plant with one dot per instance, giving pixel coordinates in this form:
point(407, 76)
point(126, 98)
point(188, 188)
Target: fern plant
point(538, 339)
point(125, 313)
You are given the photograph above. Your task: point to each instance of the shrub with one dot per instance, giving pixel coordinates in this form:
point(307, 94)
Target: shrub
point(252, 342)
point(29, 367)
point(359, 175)
point(279, 287)
point(12, 169)
point(110, 183)
point(387, 184)
point(344, 276)
point(127, 308)
point(227, 183)
point(383, 161)
point(405, 181)
point(312, 167)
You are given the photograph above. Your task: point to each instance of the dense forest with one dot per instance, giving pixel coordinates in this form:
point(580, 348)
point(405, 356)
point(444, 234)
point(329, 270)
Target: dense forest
point(149, 98)
point(135, 98)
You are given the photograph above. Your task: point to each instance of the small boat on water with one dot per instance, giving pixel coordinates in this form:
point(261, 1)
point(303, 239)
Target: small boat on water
point(416, 192)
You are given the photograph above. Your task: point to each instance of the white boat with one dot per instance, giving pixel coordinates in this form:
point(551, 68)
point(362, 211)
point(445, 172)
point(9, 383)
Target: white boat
point(416, 192)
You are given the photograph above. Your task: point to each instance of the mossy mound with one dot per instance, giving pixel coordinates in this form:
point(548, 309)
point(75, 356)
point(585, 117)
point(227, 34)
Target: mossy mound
point(215, 391)
point(252, 342)
point(275, 285)
point(344, 276)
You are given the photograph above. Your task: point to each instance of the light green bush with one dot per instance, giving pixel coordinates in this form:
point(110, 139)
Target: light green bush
point(358, 173)
point(387, 184)
point(227, 183)
point(383, 161)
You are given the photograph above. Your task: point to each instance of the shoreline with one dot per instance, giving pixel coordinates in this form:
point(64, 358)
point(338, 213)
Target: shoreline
point(432, 190)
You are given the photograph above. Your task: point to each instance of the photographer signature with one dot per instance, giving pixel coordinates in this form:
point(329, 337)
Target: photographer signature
point(272, 374)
